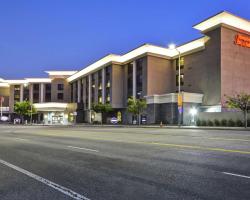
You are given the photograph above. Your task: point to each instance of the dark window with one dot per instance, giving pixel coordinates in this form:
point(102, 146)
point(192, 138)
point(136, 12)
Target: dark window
point(93, 88)
point(139, 66)
point(87, 91)
point(71, 92)
point(60, 96)
point(36, 93)
point(82, 100)
point(48, 92)
point(182, 80)
point(60, 86)
point(130, 80)
point(36, 87)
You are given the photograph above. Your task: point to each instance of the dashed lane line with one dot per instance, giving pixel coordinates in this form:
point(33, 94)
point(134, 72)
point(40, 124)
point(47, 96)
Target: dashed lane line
point(62, 189)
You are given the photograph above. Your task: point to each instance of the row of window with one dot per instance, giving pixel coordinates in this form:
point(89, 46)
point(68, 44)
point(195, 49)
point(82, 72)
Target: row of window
point(96, 86)
point(36, 93)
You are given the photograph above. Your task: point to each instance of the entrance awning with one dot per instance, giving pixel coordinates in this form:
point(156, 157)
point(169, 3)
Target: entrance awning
point(50, 107)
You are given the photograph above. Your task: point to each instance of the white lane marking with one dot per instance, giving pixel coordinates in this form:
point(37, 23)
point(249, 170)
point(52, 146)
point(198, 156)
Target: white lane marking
point(21, 139)
point(81, 148)
point(49, 183)
point(239, 175)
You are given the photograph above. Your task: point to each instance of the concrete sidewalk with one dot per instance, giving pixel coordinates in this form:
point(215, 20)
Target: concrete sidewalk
point(137, 126)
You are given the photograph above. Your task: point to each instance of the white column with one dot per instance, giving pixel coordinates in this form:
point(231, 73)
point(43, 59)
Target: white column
point(21, 93)
point(134, 79)
point(79, 91)
point(90, 92)
point(42, 92)
point(31, 93)
point(103, 85)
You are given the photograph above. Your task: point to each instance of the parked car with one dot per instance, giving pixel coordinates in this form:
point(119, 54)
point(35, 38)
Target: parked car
point(4, 118)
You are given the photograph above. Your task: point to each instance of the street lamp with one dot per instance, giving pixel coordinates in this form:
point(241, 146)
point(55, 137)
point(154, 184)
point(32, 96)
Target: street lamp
point(173, 47)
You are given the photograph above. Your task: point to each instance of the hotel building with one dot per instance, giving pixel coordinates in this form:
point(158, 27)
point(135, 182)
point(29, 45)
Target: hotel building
point(212, 66)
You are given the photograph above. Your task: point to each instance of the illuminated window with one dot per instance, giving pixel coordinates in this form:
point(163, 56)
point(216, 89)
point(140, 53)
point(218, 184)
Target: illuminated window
point(182, 80)
point(182, 61)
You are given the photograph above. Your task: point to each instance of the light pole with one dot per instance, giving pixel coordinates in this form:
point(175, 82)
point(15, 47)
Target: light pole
point(180, 103)
point(31, 114)
point(1, 101)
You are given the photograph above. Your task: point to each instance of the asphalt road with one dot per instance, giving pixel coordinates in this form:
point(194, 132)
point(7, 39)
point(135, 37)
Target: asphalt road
point(123, 163)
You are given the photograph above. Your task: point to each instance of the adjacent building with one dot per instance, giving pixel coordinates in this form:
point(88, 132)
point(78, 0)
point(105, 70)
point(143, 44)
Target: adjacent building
point(212, 66)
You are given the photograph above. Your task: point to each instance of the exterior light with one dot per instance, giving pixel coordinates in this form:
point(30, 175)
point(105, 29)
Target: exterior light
point(172, 46)
point(193, 112)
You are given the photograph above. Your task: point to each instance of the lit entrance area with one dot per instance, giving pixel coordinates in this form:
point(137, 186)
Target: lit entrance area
point(53, 113)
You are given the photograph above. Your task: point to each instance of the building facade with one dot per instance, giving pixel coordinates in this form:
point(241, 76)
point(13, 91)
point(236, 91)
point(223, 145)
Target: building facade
point(50, 97)
point(212, 66)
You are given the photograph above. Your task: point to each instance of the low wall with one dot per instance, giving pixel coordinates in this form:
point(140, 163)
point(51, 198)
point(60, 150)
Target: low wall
point(221, 115)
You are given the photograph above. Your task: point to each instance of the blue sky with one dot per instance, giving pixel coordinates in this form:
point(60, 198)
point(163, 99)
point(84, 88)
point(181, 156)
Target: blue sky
point(39, 35)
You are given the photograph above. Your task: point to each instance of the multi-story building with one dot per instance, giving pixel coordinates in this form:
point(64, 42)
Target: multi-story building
point(212, 66)
point(50, 96)
point(215, 65)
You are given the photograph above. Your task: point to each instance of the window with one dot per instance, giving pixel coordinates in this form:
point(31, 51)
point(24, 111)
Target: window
point(26, 92)
point(182, 80)
point(108, 72)
point(182, 61)
point(36, 93)
point(48, 92)
point(71, 92)
point(87, 91)
point(139, 66)
point(92, 88)
point(130, 80)
point(60, 96)
point(17, 93)
point(60, 86)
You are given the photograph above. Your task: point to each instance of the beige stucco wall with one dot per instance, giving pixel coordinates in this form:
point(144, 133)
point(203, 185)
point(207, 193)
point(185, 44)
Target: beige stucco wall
point(202, 70)
point(160, 76)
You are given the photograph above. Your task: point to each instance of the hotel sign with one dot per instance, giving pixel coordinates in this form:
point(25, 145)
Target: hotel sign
point(242, 40)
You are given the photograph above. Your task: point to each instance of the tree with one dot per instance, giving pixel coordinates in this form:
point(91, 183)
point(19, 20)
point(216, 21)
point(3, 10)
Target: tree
point(240, 101)
point(24, 108)
point(102, 108)
point(137, 107)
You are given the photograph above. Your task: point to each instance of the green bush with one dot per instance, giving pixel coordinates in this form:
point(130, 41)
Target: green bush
point(210, 123)
point(223, 122)
point(203, 122)
point(231, 123)
point(239, 123)
point(216, 122)
point(198, 122)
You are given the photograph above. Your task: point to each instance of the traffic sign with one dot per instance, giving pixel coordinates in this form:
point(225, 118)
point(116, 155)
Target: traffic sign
point(180, 100)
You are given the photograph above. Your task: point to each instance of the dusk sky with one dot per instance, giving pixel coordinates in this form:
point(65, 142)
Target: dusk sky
point(39, 35)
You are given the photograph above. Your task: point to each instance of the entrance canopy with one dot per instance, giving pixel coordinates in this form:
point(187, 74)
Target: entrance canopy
point(49, 107)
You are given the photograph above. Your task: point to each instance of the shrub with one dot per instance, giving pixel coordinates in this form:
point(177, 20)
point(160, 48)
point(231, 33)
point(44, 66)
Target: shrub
point(210, 123)
point(223, 122)
point(216, 122)
point(239, 123)
point(203, 122)
point(231, 123)
point(198, 122)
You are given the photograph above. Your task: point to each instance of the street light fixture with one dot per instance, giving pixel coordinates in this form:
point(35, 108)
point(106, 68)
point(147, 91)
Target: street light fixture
point(173, 47)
